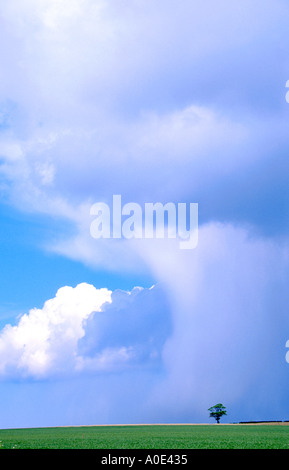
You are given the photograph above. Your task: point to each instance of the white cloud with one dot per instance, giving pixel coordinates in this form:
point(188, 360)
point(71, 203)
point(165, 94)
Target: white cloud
point(45, 340)
point(84, 329)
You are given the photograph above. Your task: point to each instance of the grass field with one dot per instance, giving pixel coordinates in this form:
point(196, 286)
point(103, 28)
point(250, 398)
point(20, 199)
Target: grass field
point(149, 437)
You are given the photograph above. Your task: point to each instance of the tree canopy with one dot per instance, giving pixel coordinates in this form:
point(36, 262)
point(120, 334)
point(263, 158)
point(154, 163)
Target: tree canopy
point(217, 411)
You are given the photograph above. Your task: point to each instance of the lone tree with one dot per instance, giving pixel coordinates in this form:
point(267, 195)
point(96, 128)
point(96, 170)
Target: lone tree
point(217, 411)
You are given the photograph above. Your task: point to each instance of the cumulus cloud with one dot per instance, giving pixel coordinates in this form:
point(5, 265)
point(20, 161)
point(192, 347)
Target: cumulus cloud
point(46, 339)
point(137, 322)
point(86, 329)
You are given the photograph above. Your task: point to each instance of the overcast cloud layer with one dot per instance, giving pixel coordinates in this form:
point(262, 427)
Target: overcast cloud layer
point(156, 101)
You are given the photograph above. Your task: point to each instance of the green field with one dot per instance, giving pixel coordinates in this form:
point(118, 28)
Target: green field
point(149, 437)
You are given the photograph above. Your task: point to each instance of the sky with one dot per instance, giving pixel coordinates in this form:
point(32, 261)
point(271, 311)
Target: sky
point(168, 101)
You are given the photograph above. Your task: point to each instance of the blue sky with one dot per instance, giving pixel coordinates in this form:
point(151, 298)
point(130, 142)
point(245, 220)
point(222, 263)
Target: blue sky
point(157, 102)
